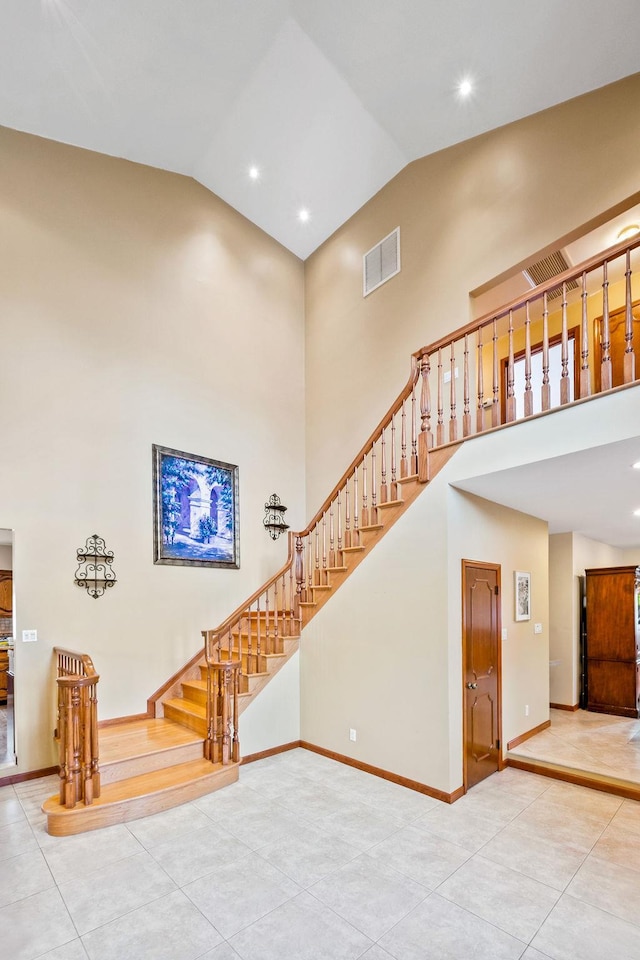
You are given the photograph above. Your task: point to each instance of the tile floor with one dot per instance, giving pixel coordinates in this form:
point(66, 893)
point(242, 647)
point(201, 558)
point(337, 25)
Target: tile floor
point(593, 742)
point(308, 859)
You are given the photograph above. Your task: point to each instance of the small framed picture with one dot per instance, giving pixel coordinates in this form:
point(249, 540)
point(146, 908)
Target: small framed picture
point(522, 595)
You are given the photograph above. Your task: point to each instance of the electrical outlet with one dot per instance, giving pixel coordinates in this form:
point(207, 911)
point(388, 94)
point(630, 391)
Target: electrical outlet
point(537, 628)
point(526, 710)
point(352, 735)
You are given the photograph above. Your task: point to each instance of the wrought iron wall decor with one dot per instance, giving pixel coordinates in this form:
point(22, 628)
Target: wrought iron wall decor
point(274, 512)
point(95, 572)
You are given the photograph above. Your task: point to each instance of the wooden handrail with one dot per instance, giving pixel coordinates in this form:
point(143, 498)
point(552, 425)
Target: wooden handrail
point(536, 293)
point(77, 729)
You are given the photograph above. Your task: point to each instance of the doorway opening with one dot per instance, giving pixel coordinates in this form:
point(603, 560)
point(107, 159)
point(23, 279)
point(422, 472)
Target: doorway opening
point(481, 671)
point(7, 633)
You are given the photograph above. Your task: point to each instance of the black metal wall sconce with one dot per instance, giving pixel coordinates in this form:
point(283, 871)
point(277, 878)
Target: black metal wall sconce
point(274, 512)
point(95, 572)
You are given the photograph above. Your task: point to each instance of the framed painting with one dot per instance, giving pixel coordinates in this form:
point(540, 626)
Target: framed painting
point(195, 510)
point(522, 595)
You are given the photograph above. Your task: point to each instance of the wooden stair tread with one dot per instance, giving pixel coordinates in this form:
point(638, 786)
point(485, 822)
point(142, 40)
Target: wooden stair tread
point(337, 569)
point(142, 737)
point(358, 549)
point(371, 527)
point(390, 503)
point(139, 796)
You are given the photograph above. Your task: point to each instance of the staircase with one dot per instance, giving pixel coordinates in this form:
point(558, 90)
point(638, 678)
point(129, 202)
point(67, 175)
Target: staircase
point(154, 763)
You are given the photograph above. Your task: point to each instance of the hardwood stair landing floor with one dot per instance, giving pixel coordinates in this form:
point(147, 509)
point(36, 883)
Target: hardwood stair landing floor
point(139, 796)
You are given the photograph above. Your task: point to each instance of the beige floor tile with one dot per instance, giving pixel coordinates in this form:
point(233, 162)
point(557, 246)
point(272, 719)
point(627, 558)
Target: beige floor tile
point(73, 950)
point(309, 857)
point(82, 855)
point(362, 826)
point(610, 886)
point(168, 825)
point(556, 822)
point(23, 876)
point(198, 853)
point(423, 857)
point(240, 893)
point(578, 931)
point(167, 929)
point(619, 844)
point(514, 903)
point(369, 895)
point(303, 929)
point(440, 930)
point(114, 890)
point(538, 857)
point(460, 825)
point(15, 839)
point(35, 925)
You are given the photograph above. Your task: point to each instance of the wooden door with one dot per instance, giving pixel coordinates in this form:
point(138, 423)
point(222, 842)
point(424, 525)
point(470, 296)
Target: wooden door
point(481, 649)
point(6, 590)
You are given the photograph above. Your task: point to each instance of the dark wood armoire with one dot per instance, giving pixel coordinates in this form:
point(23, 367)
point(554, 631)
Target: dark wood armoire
point(613, 640)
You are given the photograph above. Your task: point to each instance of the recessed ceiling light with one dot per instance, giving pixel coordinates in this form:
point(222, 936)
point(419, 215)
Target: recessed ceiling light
point(636, 466)
point(303, 215)
point(254, 173)
point(465, 88)
point(627, 232)
point(636, 513)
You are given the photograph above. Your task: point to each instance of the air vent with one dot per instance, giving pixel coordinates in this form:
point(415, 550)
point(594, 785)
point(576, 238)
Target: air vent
point(381, 262)
point(548, 268)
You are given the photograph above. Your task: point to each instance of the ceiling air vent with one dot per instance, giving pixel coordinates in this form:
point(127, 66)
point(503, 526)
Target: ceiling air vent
point(548, 268)
point(381, 262)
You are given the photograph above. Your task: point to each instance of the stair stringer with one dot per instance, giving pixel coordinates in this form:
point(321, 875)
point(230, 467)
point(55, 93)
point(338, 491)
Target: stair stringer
point(388, 514)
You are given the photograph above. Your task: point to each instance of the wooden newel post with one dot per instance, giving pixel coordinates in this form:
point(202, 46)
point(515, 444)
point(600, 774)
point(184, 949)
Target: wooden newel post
point(425, 437)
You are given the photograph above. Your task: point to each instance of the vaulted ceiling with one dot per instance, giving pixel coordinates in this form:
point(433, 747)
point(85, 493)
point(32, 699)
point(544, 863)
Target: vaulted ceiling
point(327, 99)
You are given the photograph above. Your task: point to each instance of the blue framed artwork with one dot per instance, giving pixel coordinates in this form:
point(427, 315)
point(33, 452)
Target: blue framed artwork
point(195, 510)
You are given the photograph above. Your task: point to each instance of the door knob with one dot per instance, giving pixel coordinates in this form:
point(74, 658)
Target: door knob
point(472, 686)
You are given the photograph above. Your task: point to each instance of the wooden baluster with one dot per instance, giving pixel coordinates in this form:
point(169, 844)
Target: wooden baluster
point(466, 410)
point(480, 411)
point(511, 397)
point(546, 387)
point(63, 734)
point(292, 601)
point(565, 382)
point(384, 489)
point(95, 765)
point(73, 753)
point(316, 575)
point(324, 547)
point(585, 375)
point(249, 622)
point(332, 540)
point(299, 572)
point(495, 408)
point(277, 614)
point(218, 731)
point(364, 520)
point(226, 753)
point(404, 465)
point(440, 424)
point(208, 743)
point(235, 749)
point(425, 442)
point(629, 354)
point(453, 415)
point(356, 528)
point(373, 517)
point(347, 518)
point(339, 558)
point(413, 463)
point(606, 379)
point(394, 482)
point(87, 784)
point(258, 638)
point(528, 391)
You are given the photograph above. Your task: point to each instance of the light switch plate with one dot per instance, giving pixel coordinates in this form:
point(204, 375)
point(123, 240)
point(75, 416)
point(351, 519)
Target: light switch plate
point(29, 636)
point(537, 628)
point(504, 633)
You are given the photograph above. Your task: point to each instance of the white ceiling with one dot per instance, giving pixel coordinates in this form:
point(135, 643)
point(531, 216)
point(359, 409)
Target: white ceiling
point(329, 98)
point(593, 492)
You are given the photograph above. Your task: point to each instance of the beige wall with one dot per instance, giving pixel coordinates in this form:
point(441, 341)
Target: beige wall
point(466, 215)
point(6, 557)
point(137, 308)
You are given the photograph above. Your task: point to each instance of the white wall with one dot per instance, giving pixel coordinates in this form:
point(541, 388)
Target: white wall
point(6, 557)
point(137, 309)
point(273, 717)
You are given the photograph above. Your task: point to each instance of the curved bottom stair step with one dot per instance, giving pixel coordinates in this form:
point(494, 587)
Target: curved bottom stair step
point(141, 746)
point(139, 796)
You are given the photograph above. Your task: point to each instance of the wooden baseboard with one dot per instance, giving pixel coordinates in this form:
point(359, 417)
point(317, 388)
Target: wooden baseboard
point(619, 788)
point(117, 720)
point(271, 752)
point(386, 774)
point(32, 775)
point(565, 706)
point(530, 733)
